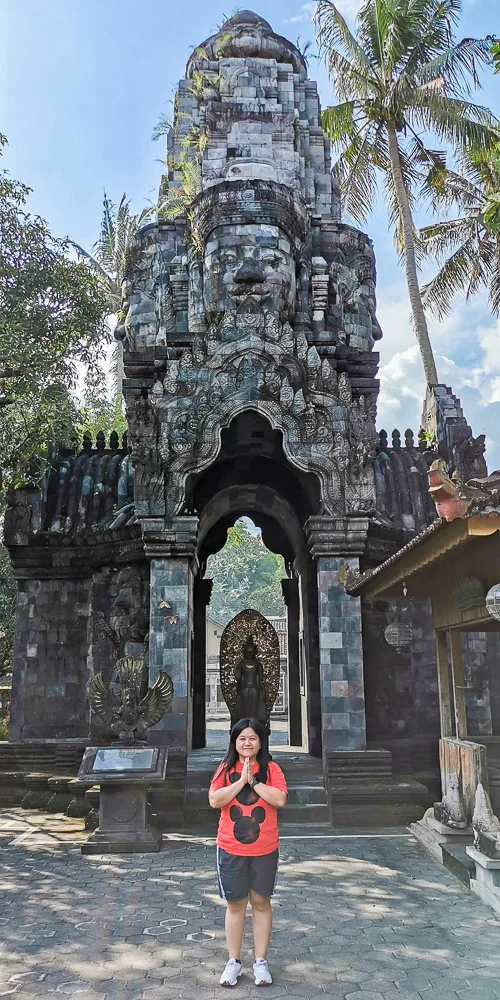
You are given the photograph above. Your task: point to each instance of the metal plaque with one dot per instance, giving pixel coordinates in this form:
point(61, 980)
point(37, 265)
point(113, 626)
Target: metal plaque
point(124, 759)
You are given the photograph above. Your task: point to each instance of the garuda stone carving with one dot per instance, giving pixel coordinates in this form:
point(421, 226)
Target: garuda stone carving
point(258, 297)
point(126, 708)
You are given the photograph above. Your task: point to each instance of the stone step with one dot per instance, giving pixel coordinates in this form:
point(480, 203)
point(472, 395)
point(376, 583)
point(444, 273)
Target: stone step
point(457, 861)
point(297, 794)
point(305, 815)
point(47, 756)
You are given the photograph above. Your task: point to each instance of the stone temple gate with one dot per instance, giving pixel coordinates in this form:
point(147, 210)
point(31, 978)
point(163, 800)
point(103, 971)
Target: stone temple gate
point(248, 327)
point(249, 331)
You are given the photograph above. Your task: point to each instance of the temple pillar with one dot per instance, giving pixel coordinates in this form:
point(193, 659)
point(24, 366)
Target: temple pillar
point(171, 549)
point(202, 595)
point(290, 590)
point(336, 543)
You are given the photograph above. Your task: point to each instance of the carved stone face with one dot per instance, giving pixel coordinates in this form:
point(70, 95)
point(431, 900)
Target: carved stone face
point(246, 269)
point(129, 612)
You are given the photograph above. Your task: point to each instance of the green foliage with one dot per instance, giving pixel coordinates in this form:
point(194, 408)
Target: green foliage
point(111, 258)
point(246, 575)
point(115, 252)
point(495, 52)
point(52, 321)
point(101, 410)
point(468, 244)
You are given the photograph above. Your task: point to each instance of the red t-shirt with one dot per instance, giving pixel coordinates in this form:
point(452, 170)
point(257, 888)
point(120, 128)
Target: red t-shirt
point(248, 826)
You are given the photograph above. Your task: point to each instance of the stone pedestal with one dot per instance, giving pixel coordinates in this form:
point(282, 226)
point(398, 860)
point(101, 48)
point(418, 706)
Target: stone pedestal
point(434, 835)
point(486, 884)
point(124, 775)
point(123, 821)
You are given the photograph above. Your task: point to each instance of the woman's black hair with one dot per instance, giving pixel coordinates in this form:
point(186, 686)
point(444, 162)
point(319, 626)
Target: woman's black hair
point(263, 756)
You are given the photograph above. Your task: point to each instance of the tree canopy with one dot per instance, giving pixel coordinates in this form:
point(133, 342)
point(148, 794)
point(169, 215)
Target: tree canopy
point(52, 326)
point(245, 575)
point(401, 79)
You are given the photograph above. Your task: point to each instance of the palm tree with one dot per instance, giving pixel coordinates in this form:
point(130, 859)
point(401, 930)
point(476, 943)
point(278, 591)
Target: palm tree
point(400, 79)
point(111, 256)
point(469, 245)
point(114, 251)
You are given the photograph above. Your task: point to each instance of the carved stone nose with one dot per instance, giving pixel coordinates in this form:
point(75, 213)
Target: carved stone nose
point(250, 273)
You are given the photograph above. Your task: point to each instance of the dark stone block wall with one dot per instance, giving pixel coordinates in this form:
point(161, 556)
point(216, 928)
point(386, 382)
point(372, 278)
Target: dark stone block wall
point(341, 659)
point(400, 684)
point(51, 648)
point(480, 652)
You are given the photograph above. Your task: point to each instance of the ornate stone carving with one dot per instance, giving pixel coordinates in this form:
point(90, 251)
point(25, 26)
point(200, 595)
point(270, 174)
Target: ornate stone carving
point(249, 640)
point(126, 708)
point(143, 438)
point(129, 616)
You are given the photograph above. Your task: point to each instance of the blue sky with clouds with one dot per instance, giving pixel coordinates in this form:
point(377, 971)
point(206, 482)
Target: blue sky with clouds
point(83, 84)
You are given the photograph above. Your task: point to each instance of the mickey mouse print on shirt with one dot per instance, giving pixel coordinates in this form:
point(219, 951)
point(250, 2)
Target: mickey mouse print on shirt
point(248, 826)
point(248, 796)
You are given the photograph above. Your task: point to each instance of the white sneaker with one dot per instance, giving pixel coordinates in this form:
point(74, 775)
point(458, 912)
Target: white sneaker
point(261, 972)
point(231, 973)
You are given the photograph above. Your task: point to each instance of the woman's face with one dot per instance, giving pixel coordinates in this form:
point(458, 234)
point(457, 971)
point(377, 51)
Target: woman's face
point(248, 743)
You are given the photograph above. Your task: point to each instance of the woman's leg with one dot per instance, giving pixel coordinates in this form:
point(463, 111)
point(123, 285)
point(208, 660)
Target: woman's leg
point(262, 921)
point(235, 925)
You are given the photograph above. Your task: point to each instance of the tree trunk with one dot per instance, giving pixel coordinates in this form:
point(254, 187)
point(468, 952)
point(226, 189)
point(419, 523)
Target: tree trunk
point(419, 319)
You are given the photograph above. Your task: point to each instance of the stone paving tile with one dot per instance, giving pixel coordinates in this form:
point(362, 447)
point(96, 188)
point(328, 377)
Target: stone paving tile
point(356, 918)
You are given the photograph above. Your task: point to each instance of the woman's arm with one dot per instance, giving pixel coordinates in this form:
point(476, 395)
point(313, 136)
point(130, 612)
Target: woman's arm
point(273, 796)
point(223, 796)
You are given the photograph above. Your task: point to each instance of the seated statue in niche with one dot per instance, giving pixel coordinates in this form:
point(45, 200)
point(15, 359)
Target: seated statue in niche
point(250, 693)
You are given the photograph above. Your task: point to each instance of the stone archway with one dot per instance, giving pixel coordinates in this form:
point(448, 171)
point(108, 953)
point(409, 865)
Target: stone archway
point(282, 532)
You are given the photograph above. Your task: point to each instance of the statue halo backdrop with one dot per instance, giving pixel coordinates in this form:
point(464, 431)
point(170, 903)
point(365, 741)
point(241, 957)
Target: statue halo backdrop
point(245, 625)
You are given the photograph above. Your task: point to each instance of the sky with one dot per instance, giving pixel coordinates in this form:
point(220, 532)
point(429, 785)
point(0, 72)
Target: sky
point(82, 84)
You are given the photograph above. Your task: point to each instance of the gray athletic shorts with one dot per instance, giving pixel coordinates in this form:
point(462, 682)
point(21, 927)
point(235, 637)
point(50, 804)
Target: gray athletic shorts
point(236, 875)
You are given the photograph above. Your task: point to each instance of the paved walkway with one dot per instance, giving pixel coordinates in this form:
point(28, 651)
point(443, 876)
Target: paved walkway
point(356, 918)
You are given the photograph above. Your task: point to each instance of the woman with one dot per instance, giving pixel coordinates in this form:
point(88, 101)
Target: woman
point(248, 788)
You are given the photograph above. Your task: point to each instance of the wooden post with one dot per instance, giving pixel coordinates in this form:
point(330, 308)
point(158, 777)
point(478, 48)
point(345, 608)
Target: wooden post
point(444, 684)
point(457, 669)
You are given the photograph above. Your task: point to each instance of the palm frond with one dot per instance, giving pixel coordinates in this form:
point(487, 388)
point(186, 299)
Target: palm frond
point(494, 290)
point(460, 271)
point(356, 170)
point(339, 122)
point(459, 122)
point(333, 31)
point(457, 65)
point(442, 237)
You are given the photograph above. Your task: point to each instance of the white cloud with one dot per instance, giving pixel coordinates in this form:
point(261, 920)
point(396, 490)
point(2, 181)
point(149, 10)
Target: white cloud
point(348, 9)
point(466, 346)
point(305, 13)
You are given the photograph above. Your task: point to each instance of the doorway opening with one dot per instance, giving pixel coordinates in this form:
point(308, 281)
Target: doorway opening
point(244, 574)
